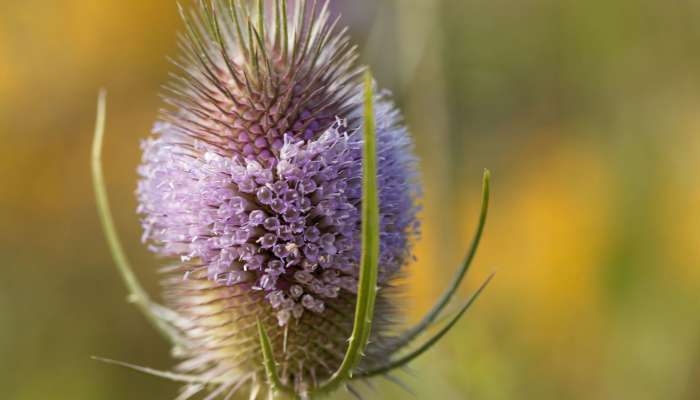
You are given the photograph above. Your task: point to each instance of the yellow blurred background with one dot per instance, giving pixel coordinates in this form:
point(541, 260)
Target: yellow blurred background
point(586, 112)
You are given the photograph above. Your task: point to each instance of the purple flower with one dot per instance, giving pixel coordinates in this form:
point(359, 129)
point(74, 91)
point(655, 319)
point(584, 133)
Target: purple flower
point(280, 278)
point(252, 185)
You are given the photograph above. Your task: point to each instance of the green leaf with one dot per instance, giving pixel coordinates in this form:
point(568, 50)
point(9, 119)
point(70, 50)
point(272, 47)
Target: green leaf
point(419, 328)
point(367, 289)
point(137, 294)
point(428, 344)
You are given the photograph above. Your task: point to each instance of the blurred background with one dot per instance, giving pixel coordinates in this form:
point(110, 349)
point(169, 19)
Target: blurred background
point(585, 112)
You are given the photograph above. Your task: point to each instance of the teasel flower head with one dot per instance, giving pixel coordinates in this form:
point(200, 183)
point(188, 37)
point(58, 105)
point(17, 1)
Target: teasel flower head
point(282, 189)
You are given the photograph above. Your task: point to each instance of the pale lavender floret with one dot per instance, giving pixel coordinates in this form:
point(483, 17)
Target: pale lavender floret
point(292, 228)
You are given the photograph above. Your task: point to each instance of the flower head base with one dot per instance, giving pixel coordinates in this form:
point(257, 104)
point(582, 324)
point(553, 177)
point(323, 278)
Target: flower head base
point(285, 193)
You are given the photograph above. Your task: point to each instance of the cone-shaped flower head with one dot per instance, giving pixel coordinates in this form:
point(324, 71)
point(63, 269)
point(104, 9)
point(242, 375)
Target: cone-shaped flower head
point(252, 184)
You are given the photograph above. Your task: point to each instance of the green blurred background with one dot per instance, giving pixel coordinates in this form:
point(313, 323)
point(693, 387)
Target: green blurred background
point(585, 111)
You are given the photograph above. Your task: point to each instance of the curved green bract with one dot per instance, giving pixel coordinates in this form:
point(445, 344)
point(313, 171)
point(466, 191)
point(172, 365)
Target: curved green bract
point(137, 294)
point(419, 328)
point(428, 344)
point(273, 378)
point(367, 287)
